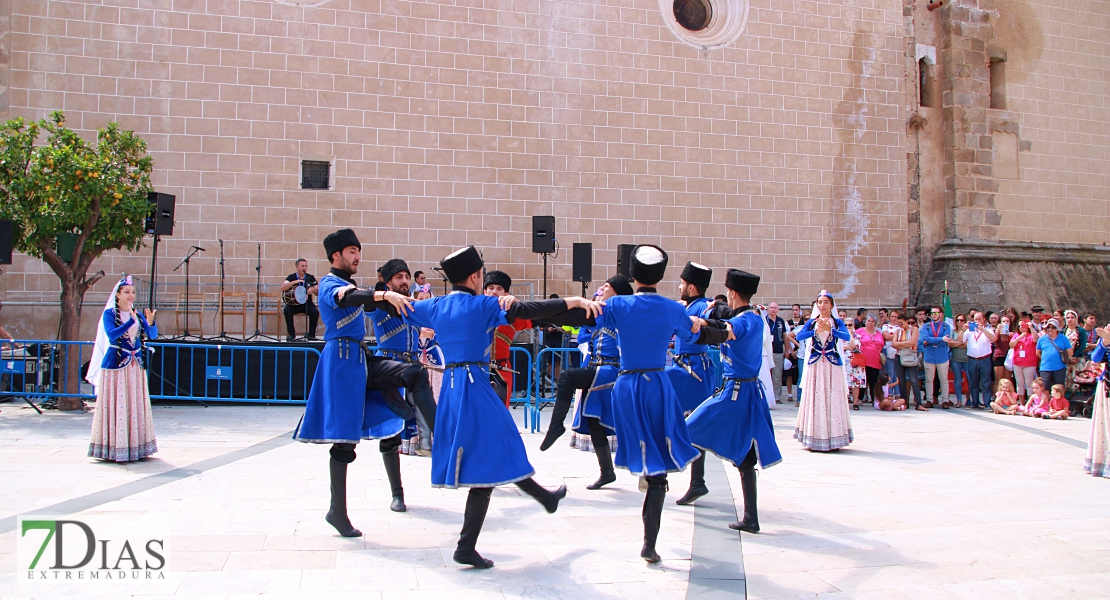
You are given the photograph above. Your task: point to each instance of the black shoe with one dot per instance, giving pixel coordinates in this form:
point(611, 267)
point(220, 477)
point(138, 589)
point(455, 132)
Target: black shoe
point(551, 504)
point(392, 461)
point(748, 527)
point(605, 479)
point(554, 431)
point(477, 503)
point(472, 558)
point(549, 499)
point(650, 555)
point(692, 494)
point(337, 514)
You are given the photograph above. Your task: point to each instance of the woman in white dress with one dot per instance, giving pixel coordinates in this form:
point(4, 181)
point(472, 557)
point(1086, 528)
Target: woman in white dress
point(823, 424)
point(1097, 461)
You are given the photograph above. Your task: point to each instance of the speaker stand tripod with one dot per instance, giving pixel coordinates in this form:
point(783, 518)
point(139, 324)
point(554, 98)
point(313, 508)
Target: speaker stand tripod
point(258, 300)
point(188, 257)
point(223, 331)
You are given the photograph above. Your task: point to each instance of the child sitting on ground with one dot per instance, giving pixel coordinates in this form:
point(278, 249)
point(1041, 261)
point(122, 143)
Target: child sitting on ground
point(1038, 400)
point(1005, 401)
point(1057, 405)
point(882, 402)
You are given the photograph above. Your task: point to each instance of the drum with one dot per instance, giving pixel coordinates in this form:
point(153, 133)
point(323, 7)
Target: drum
point(295, 295)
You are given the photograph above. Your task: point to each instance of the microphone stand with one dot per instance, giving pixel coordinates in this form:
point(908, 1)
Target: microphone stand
point(223, 330)
point(188, 257)
point(258, 298)
point(444, 276)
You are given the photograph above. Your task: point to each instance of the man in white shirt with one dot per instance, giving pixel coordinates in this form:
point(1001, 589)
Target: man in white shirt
point(980, 336)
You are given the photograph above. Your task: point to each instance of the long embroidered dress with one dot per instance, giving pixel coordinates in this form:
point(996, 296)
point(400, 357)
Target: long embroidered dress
point(123, 428)
point(1097, 461)
point(823, 422)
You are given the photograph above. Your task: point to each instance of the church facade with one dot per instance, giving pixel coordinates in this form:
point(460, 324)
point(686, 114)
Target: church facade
point(876, 148)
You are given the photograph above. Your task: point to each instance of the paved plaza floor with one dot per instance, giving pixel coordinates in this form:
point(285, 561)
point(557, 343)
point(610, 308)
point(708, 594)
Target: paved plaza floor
point(945, 504)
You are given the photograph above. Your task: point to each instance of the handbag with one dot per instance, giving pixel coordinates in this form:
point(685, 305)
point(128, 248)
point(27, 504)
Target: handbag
point(858, 359)
point(1010, 360)
point(908, 359)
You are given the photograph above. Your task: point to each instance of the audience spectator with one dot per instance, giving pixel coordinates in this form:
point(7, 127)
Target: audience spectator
point(890, 330)
point(1000, 347)
point(907, 361)
point(933, 341)
point(871, 344)
point(777, 326)
point(1089, 325)
point(884, 317)
point(851, 355)
point(1005, 400)
point(1038, 317)
point(957, 344)
point(860, 312)
point(1038, 400)
point(1057, 404)
point(1078, 338)
point(1024, 345)
point(979, 352)
point(1054, 351)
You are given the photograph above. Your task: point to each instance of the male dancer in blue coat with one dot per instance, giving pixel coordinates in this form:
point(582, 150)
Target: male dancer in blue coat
point(400, 342)
point(692, 371)
point(595, 406)
point(649, 424)
point(477, 444)
point(341, 410)
point(736, 423)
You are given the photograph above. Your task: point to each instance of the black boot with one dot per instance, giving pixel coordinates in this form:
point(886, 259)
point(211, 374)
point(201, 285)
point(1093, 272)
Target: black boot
point(697, 482)
point(604, 457)
point(392, 460)
point(653, 515)
point(549, 499)
point(423, 399)
point(337, 514)
point(477, 503)
point(750, 523)
point(564, 396)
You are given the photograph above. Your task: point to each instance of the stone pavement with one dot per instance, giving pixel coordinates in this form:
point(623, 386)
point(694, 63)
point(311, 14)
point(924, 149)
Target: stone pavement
point(948, 504)
point(936, 505)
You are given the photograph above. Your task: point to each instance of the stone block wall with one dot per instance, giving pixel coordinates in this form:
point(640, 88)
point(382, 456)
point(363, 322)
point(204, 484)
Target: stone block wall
point(454, 122)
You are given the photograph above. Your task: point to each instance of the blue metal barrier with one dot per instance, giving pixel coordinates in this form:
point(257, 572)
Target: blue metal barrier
point(272, 374)
point(545, 377)
point(37, 369)
point(527, 401)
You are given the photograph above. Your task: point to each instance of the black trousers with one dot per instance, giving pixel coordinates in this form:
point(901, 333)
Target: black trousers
point(383, 374)
point(573, 379)
point(296, 309)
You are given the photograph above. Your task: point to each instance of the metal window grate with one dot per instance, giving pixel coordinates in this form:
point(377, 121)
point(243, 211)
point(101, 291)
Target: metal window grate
point(314, 174)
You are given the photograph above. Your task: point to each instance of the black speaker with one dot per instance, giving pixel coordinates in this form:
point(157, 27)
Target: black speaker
point(624, 259)
point(6, 238)
point(543, 235)
point(583, 262)
point(160, 221)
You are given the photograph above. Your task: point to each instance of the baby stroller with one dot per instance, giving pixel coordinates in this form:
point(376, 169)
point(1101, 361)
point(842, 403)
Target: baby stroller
point(1082, 401)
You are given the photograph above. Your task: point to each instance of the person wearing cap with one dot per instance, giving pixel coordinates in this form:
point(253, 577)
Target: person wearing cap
point(647, 413)
point(498, 284)
point(342, 407)
point(594, 416)
point(477, 444)
point(1054, 351)
point(400, 342)
point(691, 373)
point(1038, 317)
point(736, 423)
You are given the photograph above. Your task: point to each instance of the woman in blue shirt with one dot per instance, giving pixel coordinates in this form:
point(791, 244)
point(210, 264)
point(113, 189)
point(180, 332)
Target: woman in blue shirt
point(123, 429)
point(1054, 351)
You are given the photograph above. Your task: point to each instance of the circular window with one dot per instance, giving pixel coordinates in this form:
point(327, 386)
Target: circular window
point(693, 15)
point(705, 23)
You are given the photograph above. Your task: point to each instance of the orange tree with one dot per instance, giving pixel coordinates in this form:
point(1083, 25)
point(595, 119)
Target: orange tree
point(66, 185)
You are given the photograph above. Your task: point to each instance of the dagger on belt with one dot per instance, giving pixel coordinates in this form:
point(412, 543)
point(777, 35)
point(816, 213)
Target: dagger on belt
point(685, 367)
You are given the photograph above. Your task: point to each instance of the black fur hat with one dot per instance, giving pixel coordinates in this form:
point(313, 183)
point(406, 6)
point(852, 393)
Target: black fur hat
point(649, 264)
point(500, 278)
point(392, 267)
point(699, 275)
point(620, 284)
point(461, 263)
point(337, 241)
point(742, 282)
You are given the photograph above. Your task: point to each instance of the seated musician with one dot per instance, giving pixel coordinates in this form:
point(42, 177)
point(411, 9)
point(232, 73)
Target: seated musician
point(304, 279)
